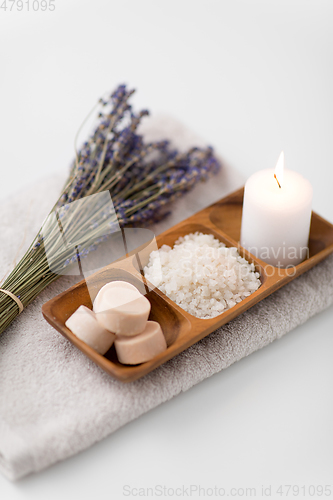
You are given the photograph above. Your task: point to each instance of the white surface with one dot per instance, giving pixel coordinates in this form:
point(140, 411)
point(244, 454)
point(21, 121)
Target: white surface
point(253, 78)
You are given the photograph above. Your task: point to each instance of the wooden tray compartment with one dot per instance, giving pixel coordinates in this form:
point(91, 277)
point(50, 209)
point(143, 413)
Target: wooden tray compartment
point(181, 329)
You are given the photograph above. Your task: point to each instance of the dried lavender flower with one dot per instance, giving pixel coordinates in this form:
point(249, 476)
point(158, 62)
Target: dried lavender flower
point(142, 178)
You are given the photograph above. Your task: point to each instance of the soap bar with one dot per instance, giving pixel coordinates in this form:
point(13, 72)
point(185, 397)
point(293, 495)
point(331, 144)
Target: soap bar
point(108, 290)
point(121, 309)
point(143, 347)
point(84, 325)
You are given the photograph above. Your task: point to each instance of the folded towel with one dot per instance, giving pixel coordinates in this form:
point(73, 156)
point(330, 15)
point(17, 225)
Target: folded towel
point(55, 402)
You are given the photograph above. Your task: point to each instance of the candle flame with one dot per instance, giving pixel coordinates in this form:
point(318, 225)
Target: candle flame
point(279, 169)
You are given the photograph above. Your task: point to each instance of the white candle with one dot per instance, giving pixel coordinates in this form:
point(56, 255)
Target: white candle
point(276, 216)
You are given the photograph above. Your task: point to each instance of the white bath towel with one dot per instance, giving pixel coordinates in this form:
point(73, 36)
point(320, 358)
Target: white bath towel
point(55, 402)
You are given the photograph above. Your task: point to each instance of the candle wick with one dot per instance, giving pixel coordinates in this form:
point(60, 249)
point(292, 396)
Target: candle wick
point(277, 181)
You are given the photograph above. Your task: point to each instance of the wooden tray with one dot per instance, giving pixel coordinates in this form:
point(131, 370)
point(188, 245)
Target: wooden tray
point(223, 220)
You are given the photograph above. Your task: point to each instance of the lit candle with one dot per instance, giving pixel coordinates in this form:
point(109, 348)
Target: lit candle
point(276, 215)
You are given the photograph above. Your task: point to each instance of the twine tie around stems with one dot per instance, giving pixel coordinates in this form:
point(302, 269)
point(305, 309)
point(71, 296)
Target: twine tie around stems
point(17, 300)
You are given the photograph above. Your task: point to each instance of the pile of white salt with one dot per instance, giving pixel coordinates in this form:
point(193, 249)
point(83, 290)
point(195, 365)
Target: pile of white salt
point(202, 275)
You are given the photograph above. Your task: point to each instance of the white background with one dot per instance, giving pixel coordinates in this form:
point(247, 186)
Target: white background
point(252, 78)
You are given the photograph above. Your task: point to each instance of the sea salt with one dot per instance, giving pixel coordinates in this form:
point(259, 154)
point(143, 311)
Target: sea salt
point(202, 275)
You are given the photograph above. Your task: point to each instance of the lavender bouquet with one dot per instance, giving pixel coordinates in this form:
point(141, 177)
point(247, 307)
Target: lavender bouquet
point(142, 179)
